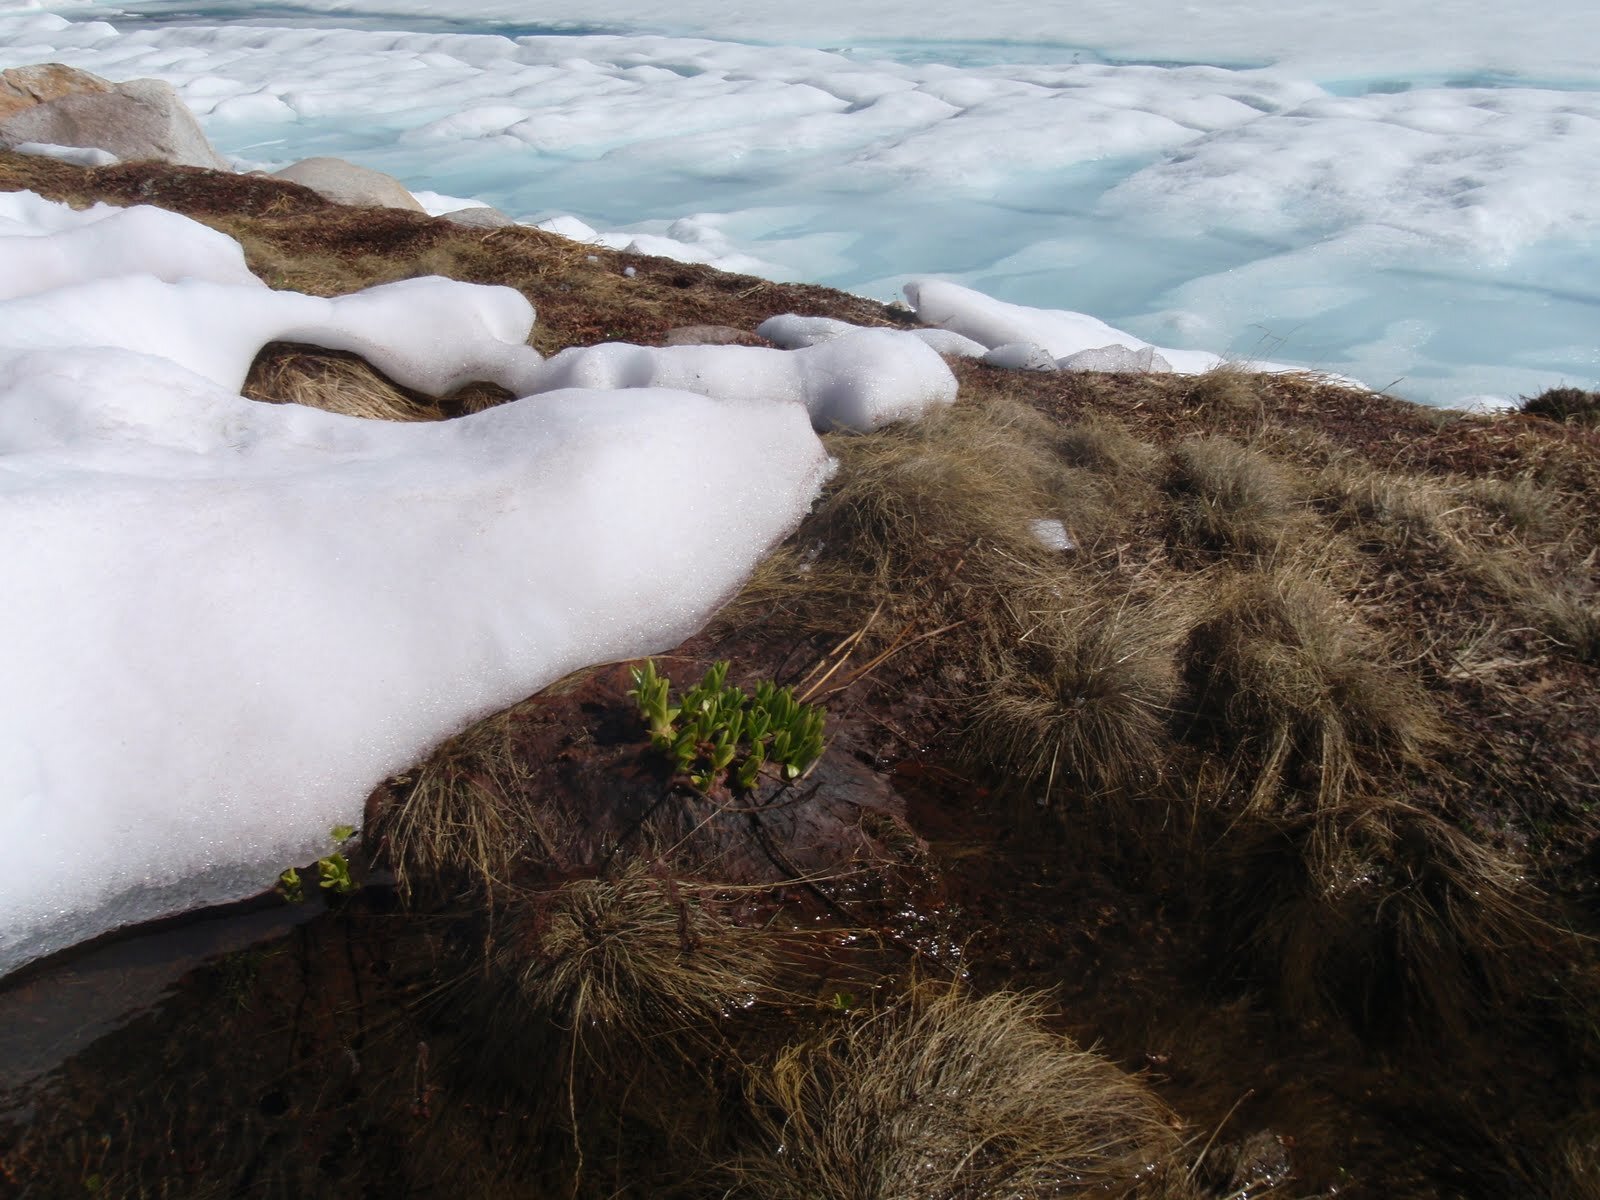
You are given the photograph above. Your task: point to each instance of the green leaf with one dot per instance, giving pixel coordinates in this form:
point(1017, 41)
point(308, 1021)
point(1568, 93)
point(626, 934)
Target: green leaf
point(290, 887)
point(335, 872)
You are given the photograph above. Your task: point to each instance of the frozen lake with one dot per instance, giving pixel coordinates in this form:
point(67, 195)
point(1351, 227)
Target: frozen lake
point(1411, 200)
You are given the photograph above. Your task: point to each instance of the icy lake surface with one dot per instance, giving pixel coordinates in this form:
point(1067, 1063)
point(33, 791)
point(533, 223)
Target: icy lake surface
point(1406, 194)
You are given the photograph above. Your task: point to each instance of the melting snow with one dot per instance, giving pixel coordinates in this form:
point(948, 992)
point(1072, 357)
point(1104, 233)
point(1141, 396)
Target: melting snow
point(228, 620)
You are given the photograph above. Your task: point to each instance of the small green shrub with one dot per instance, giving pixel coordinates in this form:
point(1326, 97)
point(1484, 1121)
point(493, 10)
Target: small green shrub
point(716, 730)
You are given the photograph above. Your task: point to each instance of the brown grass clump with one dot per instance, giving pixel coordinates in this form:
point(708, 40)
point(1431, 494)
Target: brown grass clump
point(1379, 912)
point(1300, 691)
point(637, 956)
point(943, 1096)
point(1228, 386)
point(1565, 404)
point(1571, 622)
point(332, 381)
point(1578, 1164)
point(968, 477)
point(1231, 498)
point(1515, 539)
point(1082, 700)
point(462, 812)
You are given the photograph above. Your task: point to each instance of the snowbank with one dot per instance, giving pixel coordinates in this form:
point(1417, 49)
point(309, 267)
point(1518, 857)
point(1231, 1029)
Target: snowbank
point(227, 621)
point(862, 380)
point(1041, 339)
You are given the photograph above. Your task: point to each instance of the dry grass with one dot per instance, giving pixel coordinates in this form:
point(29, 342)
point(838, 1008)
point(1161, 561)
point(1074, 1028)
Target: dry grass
point(969, 477)
point(1567, 404)
point(1232, 499)
point(1082, 699)
point(1299, 693)
point(1578, 1165)
point(1228, 387)
point(462, 812)
point(1520, 541)
point(637, 956)
point(331, 381)
point(1378, 912)
point(942, 1096)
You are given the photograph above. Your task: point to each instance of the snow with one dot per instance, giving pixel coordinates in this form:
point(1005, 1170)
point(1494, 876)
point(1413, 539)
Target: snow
point(861, 380)
point(83, 156)
point(227, 621)
point(1402, 195)
point(1036, 339)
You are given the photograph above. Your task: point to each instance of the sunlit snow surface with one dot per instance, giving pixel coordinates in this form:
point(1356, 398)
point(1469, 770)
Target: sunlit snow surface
point(1406, 194)
point(226, 621)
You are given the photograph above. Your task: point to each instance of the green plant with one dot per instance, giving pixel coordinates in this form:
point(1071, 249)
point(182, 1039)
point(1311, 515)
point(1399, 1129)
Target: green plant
point(716, 730)
point(290, 887)
point(335, 872)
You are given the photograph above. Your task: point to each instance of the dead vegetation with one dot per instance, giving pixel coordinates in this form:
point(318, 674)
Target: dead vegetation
point(1565, 404)
point(1285, 677)
point(1231, 499)
point(461, 814)
point(1379, 914)
point(942, 1095)
point(636, 957)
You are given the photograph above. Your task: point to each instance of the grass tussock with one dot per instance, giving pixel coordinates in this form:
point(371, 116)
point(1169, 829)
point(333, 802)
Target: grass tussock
point(943, 1095)
point(1299, 692)
point(1568, 405)
point(1380, 913)
point(1228, 387)
point(1516, 539)
point(1082, 700)
point(1232, 499)
point(462, 813)
point(1578, 1165)
point(637, 957)
point(964, 479)
point(332, 381)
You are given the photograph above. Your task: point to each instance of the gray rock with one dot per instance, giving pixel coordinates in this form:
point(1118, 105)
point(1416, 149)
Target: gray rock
point(23, 87)
point(346, 183)
point(709, 335)
point(479, 216)
point(139, 120)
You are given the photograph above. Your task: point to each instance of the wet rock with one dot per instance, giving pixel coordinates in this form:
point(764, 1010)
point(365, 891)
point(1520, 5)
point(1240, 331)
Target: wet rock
point(1253, 1166)
point(139, 120)
point(347, 183)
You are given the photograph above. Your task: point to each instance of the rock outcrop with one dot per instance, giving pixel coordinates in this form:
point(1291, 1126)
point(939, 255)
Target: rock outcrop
point(346, 183)
point(479, 216)
point(138, 120)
